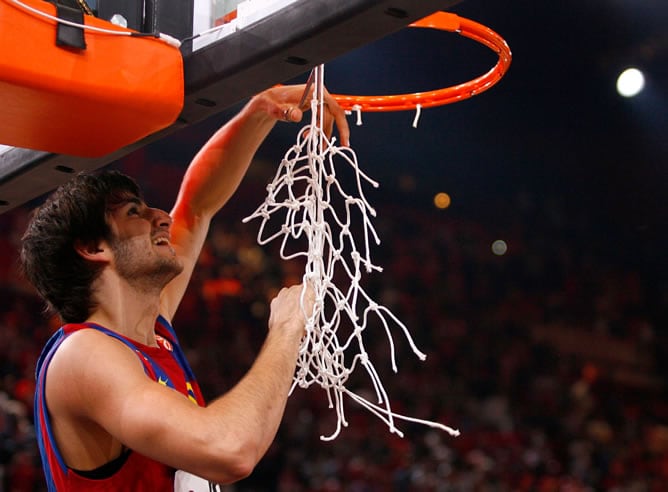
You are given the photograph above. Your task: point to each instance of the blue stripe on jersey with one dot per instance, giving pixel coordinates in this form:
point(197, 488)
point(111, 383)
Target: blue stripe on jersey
point(41, 412)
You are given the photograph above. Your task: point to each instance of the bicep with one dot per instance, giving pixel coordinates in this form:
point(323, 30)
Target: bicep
point(156, 421)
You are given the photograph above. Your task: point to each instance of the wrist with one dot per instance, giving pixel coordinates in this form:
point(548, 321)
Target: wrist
point(259, 109)
point(292, 331)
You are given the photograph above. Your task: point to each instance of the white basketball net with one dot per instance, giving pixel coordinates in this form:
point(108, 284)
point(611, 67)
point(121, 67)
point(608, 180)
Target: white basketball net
point(305, 192)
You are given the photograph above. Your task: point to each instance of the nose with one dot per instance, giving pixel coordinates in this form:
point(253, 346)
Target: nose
point(160, 218)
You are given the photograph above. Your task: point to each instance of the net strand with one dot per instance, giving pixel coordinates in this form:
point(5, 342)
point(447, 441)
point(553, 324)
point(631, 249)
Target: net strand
point(305, 196)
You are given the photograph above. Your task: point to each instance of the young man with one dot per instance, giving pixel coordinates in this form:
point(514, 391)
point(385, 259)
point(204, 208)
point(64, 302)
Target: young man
point(117, 407)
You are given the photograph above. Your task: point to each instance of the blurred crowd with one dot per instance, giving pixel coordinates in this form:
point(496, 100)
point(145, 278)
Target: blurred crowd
point(548, 358)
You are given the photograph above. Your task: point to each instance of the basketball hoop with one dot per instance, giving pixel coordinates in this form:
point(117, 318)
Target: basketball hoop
point(306, 200)
point(443, 21)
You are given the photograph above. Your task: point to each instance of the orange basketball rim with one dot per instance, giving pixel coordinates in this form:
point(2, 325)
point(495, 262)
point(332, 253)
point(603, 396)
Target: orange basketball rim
point(443, 21)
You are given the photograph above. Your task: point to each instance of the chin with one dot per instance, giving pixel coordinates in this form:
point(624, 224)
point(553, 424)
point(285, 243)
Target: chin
point(166, 270)
point(175, 266)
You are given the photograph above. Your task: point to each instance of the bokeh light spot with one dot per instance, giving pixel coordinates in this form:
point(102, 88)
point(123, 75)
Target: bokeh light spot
point(630, 82)
point(499, 247)
point(442, 200)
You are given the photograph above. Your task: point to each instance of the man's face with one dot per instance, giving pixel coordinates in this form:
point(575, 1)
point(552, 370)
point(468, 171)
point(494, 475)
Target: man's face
point(143, 254)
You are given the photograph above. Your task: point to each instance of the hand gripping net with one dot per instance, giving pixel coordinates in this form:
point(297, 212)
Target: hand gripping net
point(305, 192)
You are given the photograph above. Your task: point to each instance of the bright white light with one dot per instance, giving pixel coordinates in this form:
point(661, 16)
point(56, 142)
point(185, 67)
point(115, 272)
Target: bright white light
point(630, 82)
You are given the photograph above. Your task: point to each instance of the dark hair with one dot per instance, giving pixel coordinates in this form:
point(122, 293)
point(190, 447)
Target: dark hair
point(75, 212)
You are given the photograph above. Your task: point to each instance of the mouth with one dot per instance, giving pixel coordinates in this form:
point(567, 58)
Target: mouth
point(161, 241)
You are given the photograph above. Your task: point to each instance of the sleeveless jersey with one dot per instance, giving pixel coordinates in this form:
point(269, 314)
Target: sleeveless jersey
point(165, 364)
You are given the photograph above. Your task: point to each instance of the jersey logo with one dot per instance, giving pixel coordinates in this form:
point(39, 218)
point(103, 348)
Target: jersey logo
point(163, 381)
point(164, 343)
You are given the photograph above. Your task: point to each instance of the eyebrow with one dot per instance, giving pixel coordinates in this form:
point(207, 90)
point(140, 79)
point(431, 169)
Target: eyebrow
point(134, 199)
point(125, 201)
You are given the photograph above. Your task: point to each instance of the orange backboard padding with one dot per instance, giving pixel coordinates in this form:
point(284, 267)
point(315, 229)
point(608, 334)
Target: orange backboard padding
point(86, 103)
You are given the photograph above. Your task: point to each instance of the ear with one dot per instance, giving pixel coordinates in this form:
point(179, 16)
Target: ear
point(93, 250)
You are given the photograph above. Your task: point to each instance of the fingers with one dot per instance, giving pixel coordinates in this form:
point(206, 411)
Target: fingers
point(287, 306)
point(290, 102)
point(291, 114)
point(308, 298)
point(339, 117)
point(301, 294)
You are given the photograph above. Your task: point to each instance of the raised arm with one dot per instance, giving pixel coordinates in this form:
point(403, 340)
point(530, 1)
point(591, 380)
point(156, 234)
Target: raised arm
point(216, 171)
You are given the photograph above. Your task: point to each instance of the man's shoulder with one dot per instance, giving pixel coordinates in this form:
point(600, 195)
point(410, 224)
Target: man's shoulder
point(87, 352)
point(86, 338)
point(70, 338)
point(87, 372)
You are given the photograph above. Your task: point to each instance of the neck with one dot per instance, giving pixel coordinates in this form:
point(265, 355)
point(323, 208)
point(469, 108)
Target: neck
point(126, 309)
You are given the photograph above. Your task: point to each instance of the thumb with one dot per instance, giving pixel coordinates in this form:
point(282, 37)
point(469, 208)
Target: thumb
point(291, 113)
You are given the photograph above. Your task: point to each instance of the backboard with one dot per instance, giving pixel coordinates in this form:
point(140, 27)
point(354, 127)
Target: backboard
point(224, 68)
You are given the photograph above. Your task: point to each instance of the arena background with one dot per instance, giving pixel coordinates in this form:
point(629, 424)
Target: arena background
point(549, 358)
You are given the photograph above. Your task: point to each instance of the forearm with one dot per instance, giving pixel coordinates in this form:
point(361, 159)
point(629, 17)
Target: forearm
point(222, 442)
point(255, 406)
point(217, 169)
